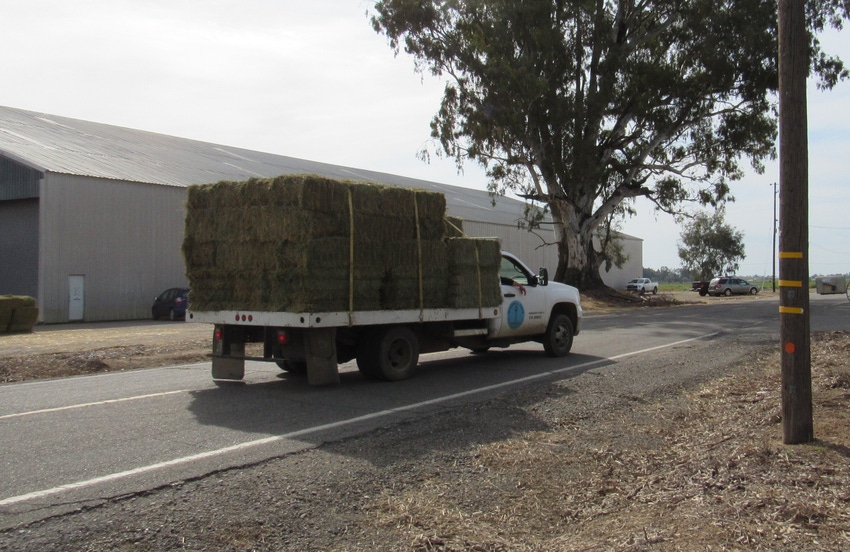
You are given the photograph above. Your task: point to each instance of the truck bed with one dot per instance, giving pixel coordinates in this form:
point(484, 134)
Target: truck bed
point(339, 319)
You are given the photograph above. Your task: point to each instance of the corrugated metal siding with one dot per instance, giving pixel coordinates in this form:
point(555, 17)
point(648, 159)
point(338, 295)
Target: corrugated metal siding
point(19, 247)
point(17, 181)
point(531, 249)
point(125, 237)
point(617, 278)
point(527, 246)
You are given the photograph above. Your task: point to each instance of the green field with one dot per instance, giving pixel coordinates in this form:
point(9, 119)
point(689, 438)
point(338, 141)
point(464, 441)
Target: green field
point(764, 284)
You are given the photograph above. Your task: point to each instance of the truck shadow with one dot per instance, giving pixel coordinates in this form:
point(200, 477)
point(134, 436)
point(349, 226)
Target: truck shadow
point(455, 392)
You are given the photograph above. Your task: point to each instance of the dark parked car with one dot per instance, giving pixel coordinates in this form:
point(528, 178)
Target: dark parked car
point(728, 285)
point(171, 303)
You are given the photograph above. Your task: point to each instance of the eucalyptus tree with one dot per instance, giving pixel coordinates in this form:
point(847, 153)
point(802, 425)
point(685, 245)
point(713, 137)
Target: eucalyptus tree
point(582, 106)
point(709, 246)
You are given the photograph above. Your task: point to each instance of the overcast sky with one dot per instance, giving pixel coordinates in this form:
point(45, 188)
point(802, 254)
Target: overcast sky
point(313, 80)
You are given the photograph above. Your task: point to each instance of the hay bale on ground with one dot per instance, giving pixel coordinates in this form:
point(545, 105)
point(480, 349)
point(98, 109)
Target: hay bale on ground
point(5, 317)
point(23, 320)
point(9, 305)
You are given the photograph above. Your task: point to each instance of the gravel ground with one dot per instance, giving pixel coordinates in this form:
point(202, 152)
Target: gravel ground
point(681, 453)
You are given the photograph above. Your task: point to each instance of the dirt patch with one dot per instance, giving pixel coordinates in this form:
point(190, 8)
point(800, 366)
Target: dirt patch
point(69, 350)
point(707, 469)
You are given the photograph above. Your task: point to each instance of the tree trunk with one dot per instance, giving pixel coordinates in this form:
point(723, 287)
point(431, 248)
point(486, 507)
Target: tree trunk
point(578, 261)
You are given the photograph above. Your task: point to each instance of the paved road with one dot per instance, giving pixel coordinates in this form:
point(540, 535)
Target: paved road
point(65, 444)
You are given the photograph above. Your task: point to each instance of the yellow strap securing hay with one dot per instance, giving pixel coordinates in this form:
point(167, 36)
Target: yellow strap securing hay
point(478, 272)
point(459, 230)
point(419, 253)
point(350, 256)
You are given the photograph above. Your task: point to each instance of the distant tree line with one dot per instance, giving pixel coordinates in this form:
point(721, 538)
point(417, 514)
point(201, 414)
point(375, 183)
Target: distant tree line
point(667, 274)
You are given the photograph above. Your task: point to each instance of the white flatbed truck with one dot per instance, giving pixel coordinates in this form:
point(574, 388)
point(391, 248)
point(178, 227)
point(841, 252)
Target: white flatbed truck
point(387, 343)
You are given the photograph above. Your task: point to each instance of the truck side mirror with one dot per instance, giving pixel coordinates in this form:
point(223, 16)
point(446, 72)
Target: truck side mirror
point(543, 277)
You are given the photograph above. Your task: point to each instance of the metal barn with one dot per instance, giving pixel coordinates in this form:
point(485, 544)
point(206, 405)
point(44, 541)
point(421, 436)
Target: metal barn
point(91, 215)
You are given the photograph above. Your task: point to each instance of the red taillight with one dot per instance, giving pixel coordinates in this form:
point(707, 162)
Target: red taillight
point(282, 338)
point(217, 334)
point(178, 301)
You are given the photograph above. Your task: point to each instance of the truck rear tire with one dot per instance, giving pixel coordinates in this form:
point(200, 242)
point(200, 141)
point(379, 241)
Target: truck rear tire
point(558, 339)
point(390, 354)
point(291, 366)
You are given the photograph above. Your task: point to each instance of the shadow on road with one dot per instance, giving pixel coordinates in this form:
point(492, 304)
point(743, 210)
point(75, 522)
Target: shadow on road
point(445, 391)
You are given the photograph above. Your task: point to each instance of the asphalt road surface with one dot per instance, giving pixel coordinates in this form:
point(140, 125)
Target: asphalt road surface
point(71, 443)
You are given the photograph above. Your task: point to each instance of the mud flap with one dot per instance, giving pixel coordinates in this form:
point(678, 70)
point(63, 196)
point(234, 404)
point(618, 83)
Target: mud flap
point(320, 345)
point(230, 368)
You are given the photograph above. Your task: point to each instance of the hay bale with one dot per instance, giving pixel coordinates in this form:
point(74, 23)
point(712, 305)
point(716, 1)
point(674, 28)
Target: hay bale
point(310, 193)
point(9, 304)
point(5, 317)
point(453, 227)
point(200, 254)
point(23, 320)
point(473, 266)
point(15, 301)
point(286, 244)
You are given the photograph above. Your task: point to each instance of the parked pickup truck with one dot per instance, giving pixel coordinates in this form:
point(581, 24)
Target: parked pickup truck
point(387, 343)
point(642, 285)
point(700, 286)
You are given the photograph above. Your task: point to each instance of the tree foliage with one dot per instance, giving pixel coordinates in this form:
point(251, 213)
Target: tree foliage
point(585, 105)
point(667, 274)
point(709, 246)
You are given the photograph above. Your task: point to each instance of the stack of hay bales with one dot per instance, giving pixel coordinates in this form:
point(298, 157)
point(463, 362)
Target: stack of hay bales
point(304, 243)
point(17, 313)
point(472, 262)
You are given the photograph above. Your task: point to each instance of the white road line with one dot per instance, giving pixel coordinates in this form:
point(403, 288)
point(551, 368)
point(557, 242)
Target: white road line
point(85, 405)
point(316, 429)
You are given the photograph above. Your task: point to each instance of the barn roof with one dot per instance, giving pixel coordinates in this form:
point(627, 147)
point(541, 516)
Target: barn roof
point(50, 143)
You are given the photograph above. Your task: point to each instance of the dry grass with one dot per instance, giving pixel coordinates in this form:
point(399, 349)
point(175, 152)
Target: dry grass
point(707, 471)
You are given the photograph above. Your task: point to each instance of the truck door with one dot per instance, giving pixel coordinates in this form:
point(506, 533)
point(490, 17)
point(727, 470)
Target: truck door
point(522, 314)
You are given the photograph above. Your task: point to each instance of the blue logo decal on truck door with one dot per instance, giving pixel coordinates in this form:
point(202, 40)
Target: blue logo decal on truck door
point(516, 315)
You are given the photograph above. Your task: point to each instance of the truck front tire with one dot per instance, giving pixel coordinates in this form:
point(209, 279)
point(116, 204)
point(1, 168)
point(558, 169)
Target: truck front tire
point(558, 339)
point(389, 354)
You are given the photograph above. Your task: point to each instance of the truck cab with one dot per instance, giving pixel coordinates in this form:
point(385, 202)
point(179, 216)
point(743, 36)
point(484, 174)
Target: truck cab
point(533, 309)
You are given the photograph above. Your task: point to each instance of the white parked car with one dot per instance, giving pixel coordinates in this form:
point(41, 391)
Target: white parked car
point(642, 285)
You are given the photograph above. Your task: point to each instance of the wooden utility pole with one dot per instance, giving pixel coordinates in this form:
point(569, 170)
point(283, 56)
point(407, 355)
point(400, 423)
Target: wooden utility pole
point(794, 317)
point(773, 251)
